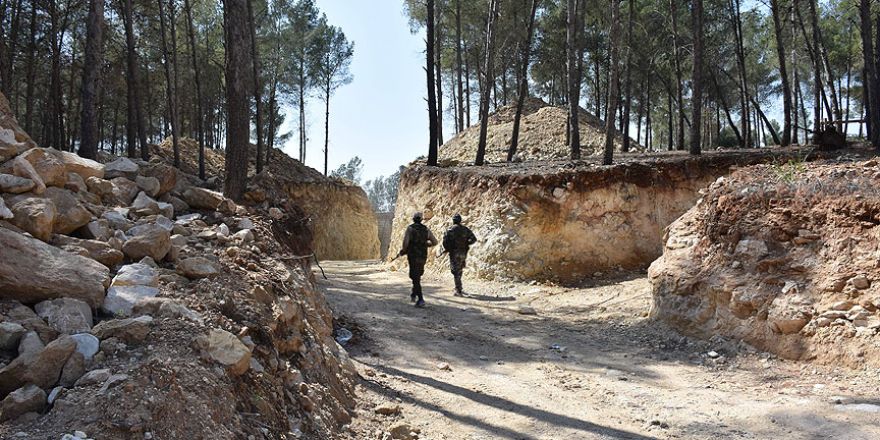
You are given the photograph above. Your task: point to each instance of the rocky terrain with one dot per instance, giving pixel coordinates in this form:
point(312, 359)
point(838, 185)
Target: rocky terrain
point(783, 257)
point(339, 213)
point(563, 221)
point(542, 135)
point(137, 304)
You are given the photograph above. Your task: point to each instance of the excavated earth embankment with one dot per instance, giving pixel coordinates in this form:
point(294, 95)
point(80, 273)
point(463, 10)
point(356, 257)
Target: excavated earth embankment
point(783, 257)
point(339, 212)
point(565, 221)
point(136, 304)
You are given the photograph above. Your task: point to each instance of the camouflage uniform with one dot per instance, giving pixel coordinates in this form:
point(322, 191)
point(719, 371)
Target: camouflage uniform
point(416, 241)
point(457, 241)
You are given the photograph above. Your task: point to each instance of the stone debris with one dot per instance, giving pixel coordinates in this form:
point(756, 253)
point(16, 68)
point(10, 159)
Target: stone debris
point(29, 398)
point(225, 349)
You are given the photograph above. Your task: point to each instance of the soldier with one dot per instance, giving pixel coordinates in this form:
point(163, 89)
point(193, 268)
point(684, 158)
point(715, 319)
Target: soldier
point(457, 241)
point(416, 241)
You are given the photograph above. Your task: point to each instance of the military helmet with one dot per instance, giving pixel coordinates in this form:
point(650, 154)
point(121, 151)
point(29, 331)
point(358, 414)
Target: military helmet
point(417, 216)
point(456, 219)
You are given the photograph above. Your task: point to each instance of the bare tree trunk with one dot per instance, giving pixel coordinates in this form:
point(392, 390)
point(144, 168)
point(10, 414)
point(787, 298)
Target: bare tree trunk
point(697, 93)
point(726, 108)
point(676, 54)
point(783, 73)
point(458, 65)
point(574, 79)
point(614, 83)
point(327, 126)
point(169, 84)
point(438, 78)
point(91, 80)
point(627, 102)
point(872, 81)
point(198, 80)
point(31, 73)
point(258, 101)
point(745, 113)
point(488, 81)
point(237, 110)
point(432, 99)
point(523, 81)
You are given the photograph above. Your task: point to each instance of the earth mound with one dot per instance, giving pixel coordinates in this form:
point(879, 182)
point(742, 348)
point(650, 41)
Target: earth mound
point(542, 135)
point(783, 257)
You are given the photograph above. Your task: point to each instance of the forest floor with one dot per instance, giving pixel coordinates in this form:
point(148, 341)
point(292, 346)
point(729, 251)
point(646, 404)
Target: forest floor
point(588, 364)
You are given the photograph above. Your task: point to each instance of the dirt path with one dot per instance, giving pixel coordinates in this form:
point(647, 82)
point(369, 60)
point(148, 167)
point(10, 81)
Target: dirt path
point(588, 365)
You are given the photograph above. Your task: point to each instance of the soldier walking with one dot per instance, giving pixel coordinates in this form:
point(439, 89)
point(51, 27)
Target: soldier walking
point(416, 241)
point(457, 241)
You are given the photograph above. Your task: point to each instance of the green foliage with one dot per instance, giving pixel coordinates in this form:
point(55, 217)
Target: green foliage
point(790, 171)
point(382, 191)
point(350, 171)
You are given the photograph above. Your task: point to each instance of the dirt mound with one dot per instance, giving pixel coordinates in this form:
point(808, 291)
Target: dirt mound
point(783, 257)
point(343, 222)
point(542, 135)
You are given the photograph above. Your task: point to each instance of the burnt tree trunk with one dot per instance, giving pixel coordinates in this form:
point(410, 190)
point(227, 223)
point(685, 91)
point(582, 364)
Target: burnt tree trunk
point(523, 81)
point(697, 92)
point(237, 36)
point(258, 101)
point(170, 92)
point(614, 83)
point(198, 83)
point(432, 98)
point(91, 80)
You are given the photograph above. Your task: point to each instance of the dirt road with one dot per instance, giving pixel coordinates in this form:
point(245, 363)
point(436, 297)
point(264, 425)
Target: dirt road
point(588, 364)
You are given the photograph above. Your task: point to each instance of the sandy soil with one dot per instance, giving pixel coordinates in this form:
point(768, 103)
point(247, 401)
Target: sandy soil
point(589, 364)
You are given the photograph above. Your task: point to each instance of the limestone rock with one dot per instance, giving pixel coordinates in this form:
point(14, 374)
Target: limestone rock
point(148, 240)
point(25, 316)
point(149, 185)
point(97, 229)
point(201, 198)
point(145, 205)
point(387, 409)
point(133, 283)
point(48, 166)
point(164, 308)
point(22, 168)
point(76, 184)
point(41, 369)
point(99, 251)
point(788, 314)
point(121, 167)
point(29, 398)
point(275, 213)
point(15, 184)
point(73, 369)
point(164, 174)
point(66, 315)
point(124, 190)
point(5, 213)
point(861, 282)
point(35, 215)
point(130, 330)
point(402, 431)
point(197, 267)
point(87, 345)
point(13, 140)
point(93, 377)
point(225, 349)
point(100, 187)
point(70, 214)
point(117, 219)
point(74, 163)
point(10, 334)
point(32, 271)
point(30, 344)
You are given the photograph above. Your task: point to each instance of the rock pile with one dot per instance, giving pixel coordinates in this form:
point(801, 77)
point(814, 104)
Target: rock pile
point(783, 257)
point(134, 300)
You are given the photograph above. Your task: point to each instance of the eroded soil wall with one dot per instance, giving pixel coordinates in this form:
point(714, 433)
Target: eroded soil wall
point(559, 221)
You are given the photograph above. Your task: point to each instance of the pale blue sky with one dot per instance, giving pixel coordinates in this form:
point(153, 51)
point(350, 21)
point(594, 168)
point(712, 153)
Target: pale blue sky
point(382, 115)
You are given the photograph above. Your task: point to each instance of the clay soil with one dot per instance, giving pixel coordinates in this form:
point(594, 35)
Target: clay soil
point(588, 364)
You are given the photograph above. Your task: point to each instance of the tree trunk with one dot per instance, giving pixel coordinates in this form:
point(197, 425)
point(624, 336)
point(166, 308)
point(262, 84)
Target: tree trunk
point(31, 72)
point(438, 78)
point(523, 81)
point(872, 82)
point(614, 83)
point(627, 102)
point(817, 72)
point(697, 93)
point(135, 128)
point(170, 93)
point(783, 73)
point(237, 37)
point(327, 126)
point(91, 80)
point(258, 101)
point(198, 80)
point(458, 65)
point(574, 80)
point(726, 108)
point(679, 81)
point(745, 113)
point(488, 81)
point(432, 98)
point(11, 51)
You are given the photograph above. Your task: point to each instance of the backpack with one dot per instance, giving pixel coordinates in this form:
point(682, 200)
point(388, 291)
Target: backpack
point(418, 243)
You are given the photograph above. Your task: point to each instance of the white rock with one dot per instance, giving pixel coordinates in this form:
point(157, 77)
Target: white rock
point(121, 167)
point(87, 345)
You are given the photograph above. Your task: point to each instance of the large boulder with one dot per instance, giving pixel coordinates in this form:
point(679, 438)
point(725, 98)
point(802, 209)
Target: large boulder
point(29, 398)
point(10, 335)
point(132, 284)
point(130, 330)
point(13, 184)
point(143, 204)
point(32, 271)
point(74, 163)
point(149, 185)
point(35, 215)
point(201, 198)
point(197, 267)
point(22, 168)
point(47, 165)
point(100, 251)
point(166, 175)
point(121, 167)
point(66, 315)
point(150, 240)
point(124, 190)
point(42, 369)
point(70, 214)
point(5, 212)
point(100, 187)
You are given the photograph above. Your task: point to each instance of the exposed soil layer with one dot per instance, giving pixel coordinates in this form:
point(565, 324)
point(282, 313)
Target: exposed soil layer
point(564, 221)
point(783, 257)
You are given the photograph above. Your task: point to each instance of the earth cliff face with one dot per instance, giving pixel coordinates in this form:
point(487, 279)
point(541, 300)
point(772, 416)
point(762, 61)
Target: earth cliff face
point(783, 257)
point(563, 221)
